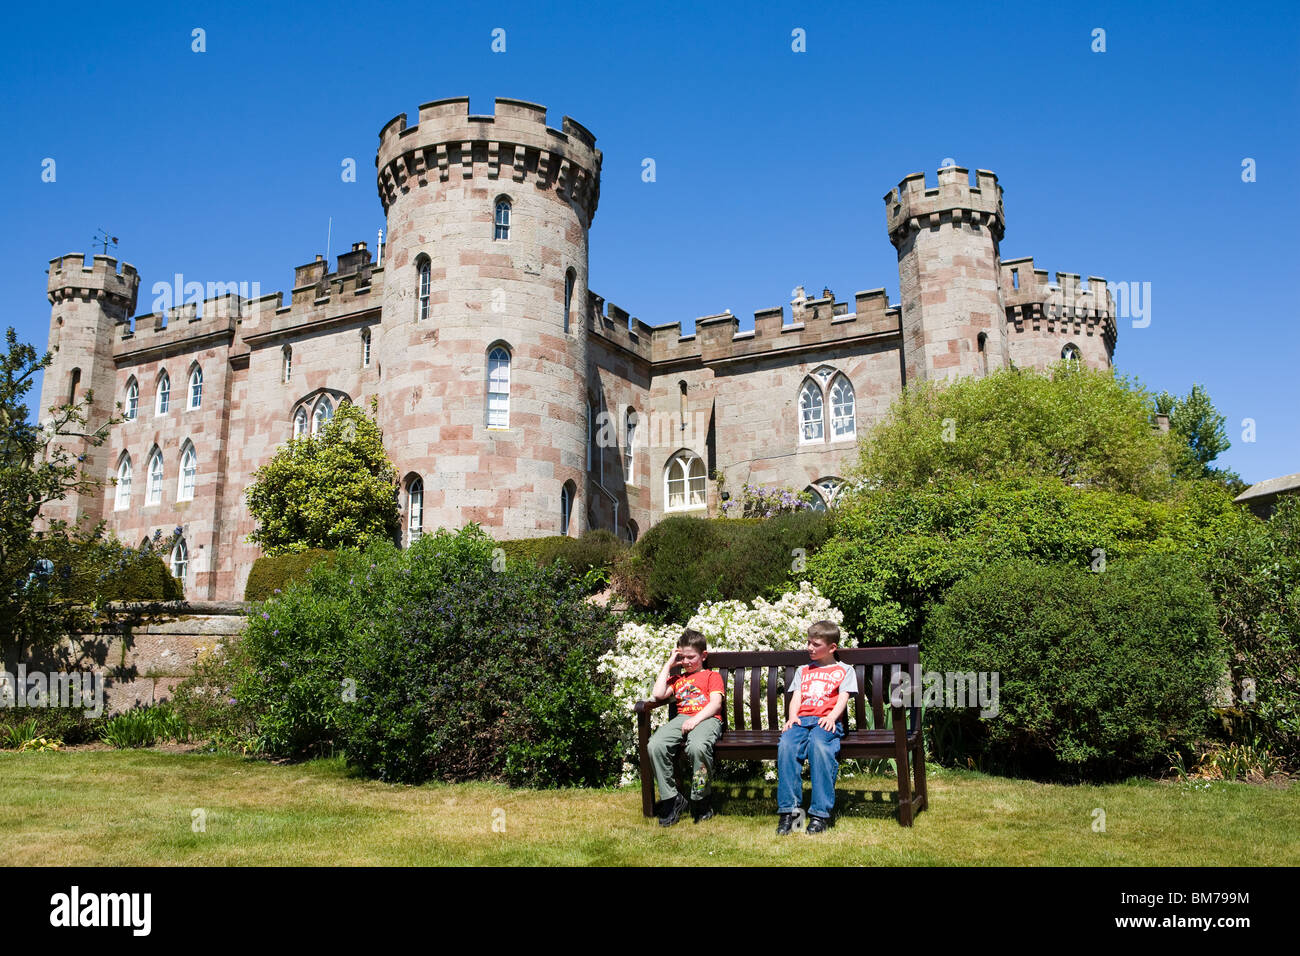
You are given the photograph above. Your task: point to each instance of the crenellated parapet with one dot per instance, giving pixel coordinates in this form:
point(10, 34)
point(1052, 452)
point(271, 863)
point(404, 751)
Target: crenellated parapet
point(71, 278)
point(912, 206)
point(448, 144)
point(1035, 304)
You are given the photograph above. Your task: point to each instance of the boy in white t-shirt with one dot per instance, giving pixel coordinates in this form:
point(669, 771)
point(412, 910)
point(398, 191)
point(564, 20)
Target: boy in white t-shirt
point(813, 731)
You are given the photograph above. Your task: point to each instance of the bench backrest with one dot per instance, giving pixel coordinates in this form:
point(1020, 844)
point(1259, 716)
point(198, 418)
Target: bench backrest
point(749, 708)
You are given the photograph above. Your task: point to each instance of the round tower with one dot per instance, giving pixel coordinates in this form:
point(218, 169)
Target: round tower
point(954, 320)
point(87, 304)
point(483, 341)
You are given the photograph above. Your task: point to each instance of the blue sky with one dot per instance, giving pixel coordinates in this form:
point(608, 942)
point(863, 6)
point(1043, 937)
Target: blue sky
point(771, 165)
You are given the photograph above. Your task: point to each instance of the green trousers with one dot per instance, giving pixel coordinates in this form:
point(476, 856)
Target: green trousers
point(666, 744)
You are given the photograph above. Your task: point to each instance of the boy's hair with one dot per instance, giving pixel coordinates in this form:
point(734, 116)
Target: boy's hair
point(693, 638)
point(826, 631)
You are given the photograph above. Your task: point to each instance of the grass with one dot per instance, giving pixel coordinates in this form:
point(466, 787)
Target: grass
point(134, 808)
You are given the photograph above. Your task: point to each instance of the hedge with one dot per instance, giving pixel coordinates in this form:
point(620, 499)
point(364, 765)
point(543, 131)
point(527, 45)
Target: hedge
point(270, 574)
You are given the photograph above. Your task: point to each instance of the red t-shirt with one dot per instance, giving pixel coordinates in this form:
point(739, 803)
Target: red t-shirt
point(693, 690)
point(820, 687)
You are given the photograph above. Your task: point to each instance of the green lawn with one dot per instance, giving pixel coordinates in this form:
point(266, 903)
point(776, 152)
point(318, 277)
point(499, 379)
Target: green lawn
point(126, 808)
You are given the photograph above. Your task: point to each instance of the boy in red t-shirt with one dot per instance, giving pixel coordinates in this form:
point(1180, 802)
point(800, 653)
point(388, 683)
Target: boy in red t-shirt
point(813, 730)
point(700, 695)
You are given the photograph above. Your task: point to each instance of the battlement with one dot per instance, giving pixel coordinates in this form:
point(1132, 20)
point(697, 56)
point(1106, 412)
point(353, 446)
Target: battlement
point(70, 277)
point(1035, 303)
point(913, 206)
point(717, 338)
point(515, 143)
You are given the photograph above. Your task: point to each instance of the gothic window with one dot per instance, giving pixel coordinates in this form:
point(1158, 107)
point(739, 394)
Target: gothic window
point(684, 479)
point(365, 348)
point(414, 511)
point(132, 399)
point(288, 364)
point(1071, 354)
point(630, 530)
point(982, 343)
point(566, 507)
point(499, 388)
point(425, 274)
point(818, 503)
point(180, 560)
point(502, 219)
point(811, 417)
point(163, 397)
point(155, 477)
point(629, 443)
point(321, 418)
point(189, 468)
point(72, 386)
point(196, 387)
point(843, 420)
point(828, 490)
point(122, 500)
point(300, 423)
point(569, 278)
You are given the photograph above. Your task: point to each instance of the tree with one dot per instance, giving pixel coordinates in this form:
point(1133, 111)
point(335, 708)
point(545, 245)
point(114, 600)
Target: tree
point(335, 489)
point(1199, 426)
point(1086, 428)
point(36, 468)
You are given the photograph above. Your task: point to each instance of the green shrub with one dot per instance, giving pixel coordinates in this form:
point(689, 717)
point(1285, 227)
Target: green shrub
point(144, 726)
point(589, 558)
point(99, 568)
point(1100, 673)
point(430, 662)
point(274, 573)
point(682, 561)
point(69, 724)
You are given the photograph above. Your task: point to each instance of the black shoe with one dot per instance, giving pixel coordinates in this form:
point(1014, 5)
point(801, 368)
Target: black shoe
point(784, 824)
point(702, 810)
point(816, 825)
point(673, 813)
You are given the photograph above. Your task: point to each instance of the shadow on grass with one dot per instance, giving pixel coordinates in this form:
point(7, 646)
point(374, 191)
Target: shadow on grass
point(759, 800)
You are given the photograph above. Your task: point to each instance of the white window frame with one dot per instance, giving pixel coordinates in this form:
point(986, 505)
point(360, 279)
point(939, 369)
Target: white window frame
point(163, 394)
point(154, 489)
point(318, 420)
point(844, 417)
point(501, 223)
point(180, 561)
point(189, 473)
point(691, 498)
point(301, 422)
point(812, 413)
point(195, 389)
point(132, 399)
point(122, 496)
point(286, 371)
point(365, 348)
point(414, 511)
point(498, 404)
point(630, 418)
point(424, 286)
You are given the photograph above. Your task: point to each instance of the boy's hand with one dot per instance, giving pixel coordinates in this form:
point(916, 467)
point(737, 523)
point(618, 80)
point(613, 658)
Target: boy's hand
point(689, 725)
point(826, 724)
point(790, 723)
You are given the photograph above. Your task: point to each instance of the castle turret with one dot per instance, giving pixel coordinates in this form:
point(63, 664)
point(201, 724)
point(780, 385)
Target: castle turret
point(487, 249)
point(954, 320)
point(87, 303)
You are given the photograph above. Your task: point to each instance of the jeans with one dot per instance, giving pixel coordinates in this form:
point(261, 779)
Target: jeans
point(806, 740)
point(667, 742)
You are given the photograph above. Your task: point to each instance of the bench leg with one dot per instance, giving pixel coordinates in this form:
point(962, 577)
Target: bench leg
point(904, 787)
point(918, 758)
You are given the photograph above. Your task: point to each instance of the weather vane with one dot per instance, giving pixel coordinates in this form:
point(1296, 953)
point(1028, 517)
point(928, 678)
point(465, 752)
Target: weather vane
point(102, 238)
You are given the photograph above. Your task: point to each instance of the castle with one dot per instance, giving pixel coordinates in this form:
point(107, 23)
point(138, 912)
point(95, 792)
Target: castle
point(508, 392)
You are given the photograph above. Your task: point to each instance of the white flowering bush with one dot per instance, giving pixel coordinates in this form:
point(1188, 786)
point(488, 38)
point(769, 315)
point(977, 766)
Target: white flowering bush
point(640, 650)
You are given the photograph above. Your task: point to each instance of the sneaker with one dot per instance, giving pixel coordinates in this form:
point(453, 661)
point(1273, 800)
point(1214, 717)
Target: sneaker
point(784, 823)
point(673, 813)
point(702, 810)
point(816, 825)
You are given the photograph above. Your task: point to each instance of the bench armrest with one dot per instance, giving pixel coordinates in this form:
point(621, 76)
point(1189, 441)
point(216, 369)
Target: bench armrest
point(645, 706)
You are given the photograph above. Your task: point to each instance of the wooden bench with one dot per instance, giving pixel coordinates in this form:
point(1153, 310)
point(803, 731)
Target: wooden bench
point(751, 730)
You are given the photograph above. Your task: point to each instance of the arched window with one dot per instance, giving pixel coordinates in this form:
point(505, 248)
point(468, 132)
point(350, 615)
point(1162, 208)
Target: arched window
point(1071, 354)
point(196, 387)
point(132, 399)
point(828, 490)
point(414, 511)
point(684, 482)
point(843, 420)
point(629, 443)
point(569, 278)
point(189, 469)
point(122, 501)
point(324, 412)
point(155, 478)
point(502, 219)
point(365, 348)
point(498, 388)
point(566, 507)
point(818, 503)
point(163, 397)
point(811, 418)
point(73, 382)
point(631, 532)
point(180, 560)
point(288, 364)
point(982, 343)
point(425, 272)
point(300, 423)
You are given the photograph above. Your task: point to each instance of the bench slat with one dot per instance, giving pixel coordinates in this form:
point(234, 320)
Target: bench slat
point(755, 697)
point(722, 672)
point(877, 695)
point(772, 721)
point(738, 699)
